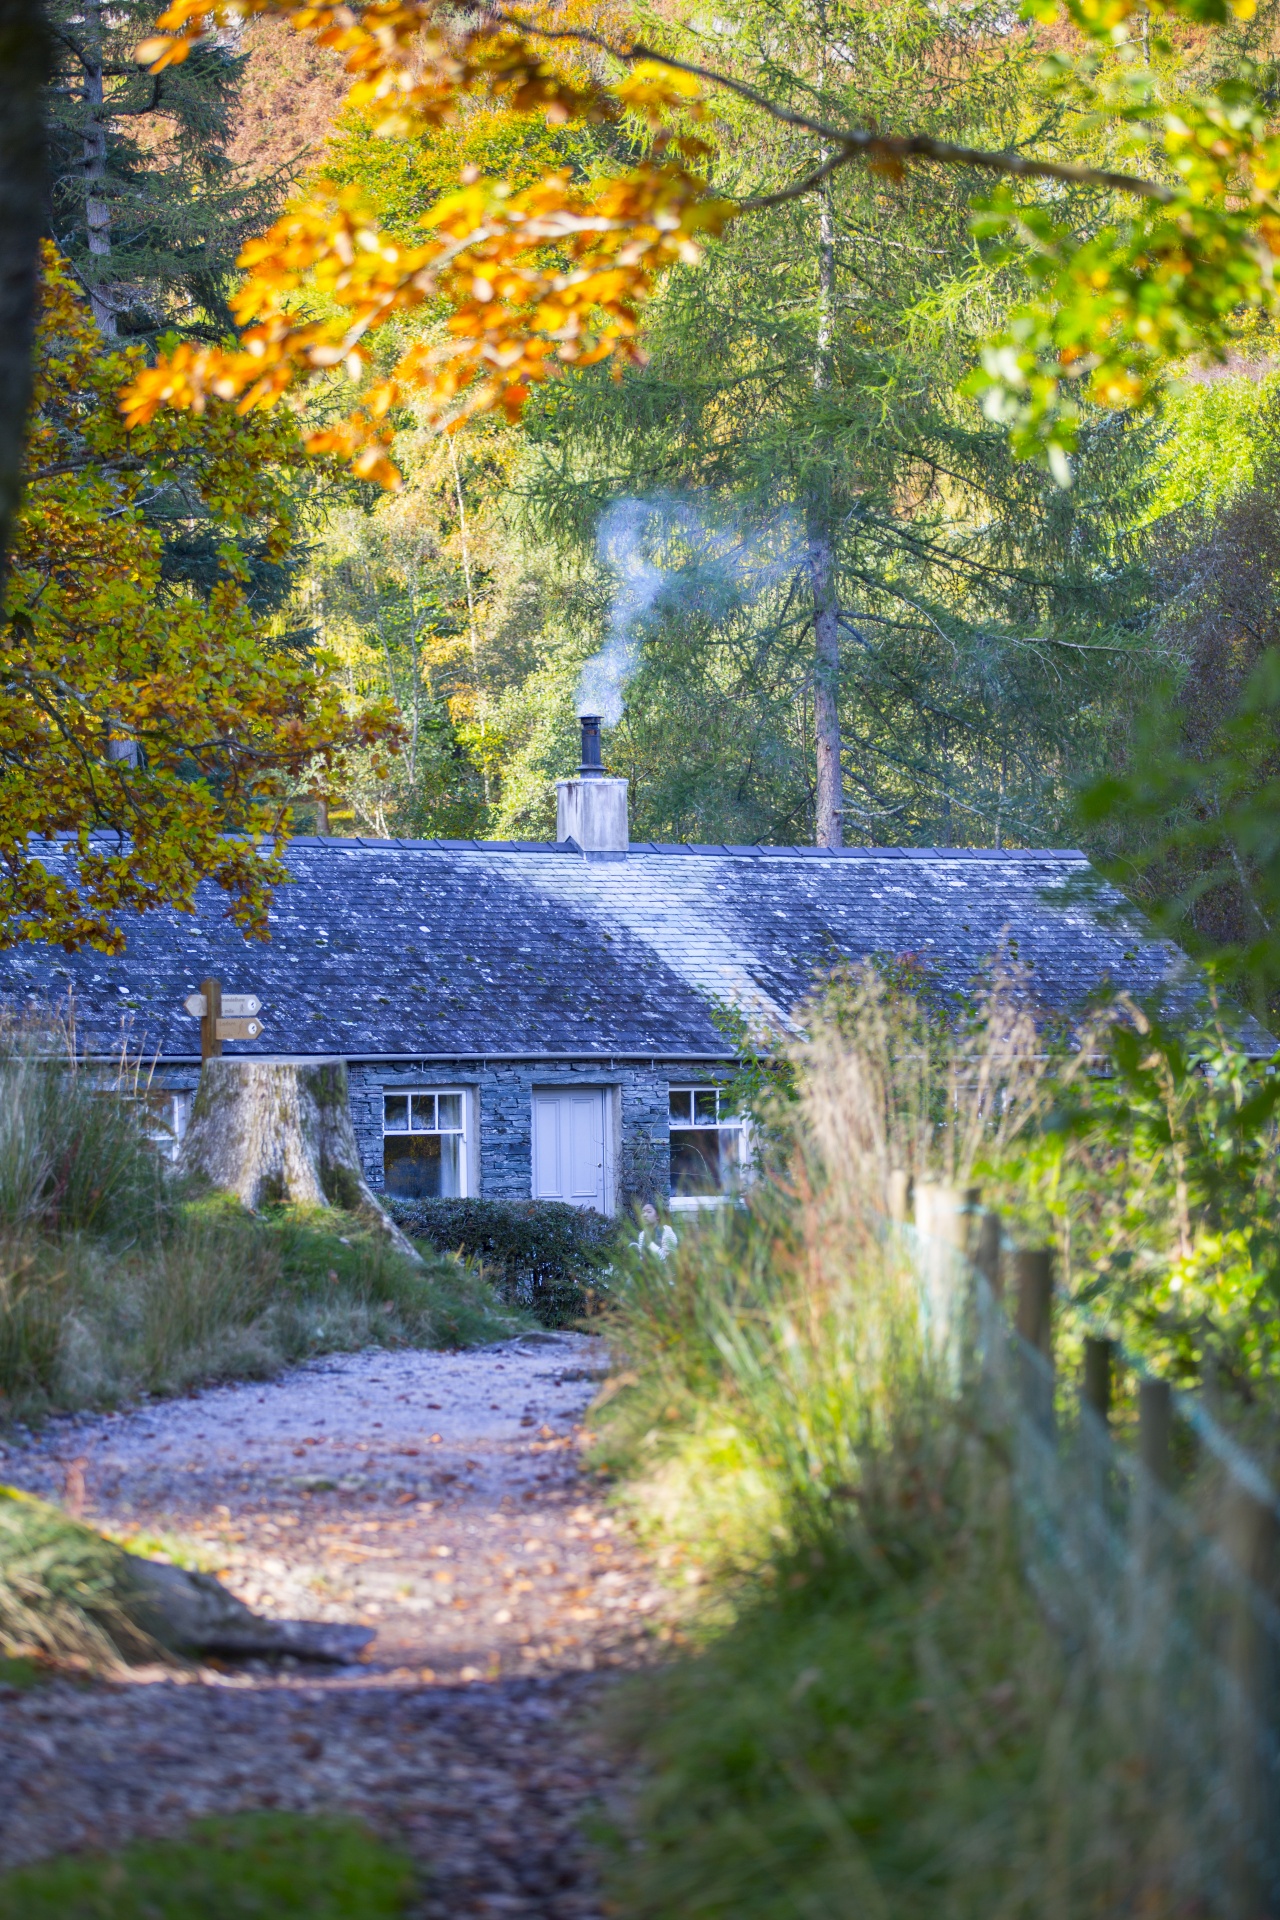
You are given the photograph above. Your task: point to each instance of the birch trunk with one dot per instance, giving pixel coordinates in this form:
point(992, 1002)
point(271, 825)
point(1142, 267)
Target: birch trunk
point(271, 1130)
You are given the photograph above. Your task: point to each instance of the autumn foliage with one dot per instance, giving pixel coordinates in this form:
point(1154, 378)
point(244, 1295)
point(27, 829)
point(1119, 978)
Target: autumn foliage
point(556, 275)
point(531, 281)
point(153, 724)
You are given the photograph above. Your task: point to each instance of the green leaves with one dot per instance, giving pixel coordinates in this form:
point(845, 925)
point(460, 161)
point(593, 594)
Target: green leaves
point(1211, 814)
point(101, 652)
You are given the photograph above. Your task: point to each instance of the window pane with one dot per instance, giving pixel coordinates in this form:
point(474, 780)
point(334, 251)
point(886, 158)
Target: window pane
point(449, 1106)
point(395, 1109)
point(695, 1161)
point(450, 1165)
point(411, 1166)
point(704, 1108)
point(732, 1158)
point(424, 1112)
point(680, 1107)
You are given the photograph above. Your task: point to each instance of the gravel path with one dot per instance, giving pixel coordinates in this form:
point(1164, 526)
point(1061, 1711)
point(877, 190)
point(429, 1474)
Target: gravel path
point(434, 1497)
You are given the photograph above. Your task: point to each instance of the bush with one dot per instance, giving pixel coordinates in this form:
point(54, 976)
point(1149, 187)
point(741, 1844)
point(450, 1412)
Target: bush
point(546, 1252)
point(255, 1866)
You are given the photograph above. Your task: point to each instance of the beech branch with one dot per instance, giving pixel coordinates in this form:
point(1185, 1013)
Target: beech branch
point(851, 143)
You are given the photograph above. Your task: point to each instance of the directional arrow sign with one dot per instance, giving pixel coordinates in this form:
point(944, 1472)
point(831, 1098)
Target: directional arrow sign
point(236, 1005)
point(238, 1029)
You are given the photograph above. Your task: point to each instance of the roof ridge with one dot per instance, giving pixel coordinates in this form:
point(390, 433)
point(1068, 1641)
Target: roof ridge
point(692, 849)
point(733, 850)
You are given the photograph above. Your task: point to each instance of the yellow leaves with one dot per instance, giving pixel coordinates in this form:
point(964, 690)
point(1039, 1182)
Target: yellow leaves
point(531, 281)
point(1116, 387)
point(651, 90)
point(93, 648)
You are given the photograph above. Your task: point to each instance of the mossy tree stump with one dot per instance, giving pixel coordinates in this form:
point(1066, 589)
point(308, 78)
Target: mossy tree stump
point(280, 1130)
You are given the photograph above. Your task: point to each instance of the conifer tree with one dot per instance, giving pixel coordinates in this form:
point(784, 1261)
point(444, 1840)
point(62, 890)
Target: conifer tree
point(948, 616)
point(146, 206)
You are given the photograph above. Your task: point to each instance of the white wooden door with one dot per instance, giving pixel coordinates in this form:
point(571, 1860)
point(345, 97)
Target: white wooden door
point(570, 1148)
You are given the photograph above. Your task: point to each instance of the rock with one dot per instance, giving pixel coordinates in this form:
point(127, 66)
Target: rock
point(193, 1613)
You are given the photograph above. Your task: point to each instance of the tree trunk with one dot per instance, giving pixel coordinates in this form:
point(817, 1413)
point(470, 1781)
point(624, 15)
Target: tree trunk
point(829, 817)
point(826, 689)
point(271, 1130)
point(97, 209)
point(24, 68)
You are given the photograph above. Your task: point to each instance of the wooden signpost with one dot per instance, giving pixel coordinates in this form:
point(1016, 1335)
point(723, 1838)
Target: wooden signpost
point(223, 1016)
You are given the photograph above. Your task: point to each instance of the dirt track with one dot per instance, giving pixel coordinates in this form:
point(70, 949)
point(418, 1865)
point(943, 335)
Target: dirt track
point(438, 1500)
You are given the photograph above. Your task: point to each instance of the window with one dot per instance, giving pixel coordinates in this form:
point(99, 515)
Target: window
point(166, 1117)
point(708, 1146)
point(424, 1145)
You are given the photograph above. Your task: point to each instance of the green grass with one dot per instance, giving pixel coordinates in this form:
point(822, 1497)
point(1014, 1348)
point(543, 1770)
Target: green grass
point(257, 1866)
point(871, 1713)
point(22, 1672)
point(882, 1728)
point(114, 1281)
point(213, 1294)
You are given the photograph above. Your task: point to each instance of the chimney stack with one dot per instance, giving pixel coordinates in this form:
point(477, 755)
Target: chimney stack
point(592, 810)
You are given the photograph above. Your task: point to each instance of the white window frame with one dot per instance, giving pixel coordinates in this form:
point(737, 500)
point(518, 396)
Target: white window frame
point(168, 1111)
point(720, 1123)
point(464, 1132)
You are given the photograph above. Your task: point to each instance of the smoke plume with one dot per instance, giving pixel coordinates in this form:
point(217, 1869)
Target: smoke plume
point(667, 555)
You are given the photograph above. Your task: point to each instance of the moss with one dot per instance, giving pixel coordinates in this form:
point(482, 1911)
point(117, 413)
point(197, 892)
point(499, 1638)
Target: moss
point(257, 1866)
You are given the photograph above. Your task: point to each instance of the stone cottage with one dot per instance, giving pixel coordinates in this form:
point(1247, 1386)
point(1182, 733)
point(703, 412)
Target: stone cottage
point(547, 1018)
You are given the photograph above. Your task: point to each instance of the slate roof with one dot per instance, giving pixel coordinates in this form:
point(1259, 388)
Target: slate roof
point(448, 950)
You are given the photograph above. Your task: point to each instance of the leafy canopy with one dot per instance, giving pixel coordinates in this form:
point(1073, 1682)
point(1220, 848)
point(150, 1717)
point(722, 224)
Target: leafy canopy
point(210, 727)
point(555, 274)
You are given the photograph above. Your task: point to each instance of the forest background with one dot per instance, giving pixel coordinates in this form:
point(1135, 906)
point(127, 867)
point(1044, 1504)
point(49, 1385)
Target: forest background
point(798, 497)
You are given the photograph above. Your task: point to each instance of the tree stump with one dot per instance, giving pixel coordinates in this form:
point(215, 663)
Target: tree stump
point(280, 1130)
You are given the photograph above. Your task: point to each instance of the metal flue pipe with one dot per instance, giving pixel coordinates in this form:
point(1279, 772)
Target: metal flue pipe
point(592, 767)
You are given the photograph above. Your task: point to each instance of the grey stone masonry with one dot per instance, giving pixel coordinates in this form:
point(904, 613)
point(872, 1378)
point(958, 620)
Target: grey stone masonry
point(502, 1098)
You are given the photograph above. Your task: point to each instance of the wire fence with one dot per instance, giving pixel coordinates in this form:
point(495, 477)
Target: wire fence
point(1160, 1585)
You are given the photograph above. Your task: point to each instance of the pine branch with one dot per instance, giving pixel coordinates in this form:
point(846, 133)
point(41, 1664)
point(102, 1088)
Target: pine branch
point(851, 143)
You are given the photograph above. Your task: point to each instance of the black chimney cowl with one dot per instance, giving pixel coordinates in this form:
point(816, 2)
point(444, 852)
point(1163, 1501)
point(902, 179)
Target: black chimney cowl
point(591, 768)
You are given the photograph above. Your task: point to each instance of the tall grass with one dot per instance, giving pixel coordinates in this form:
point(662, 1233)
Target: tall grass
point(875, 1713)
point(74, 1153)
point(115, 1280)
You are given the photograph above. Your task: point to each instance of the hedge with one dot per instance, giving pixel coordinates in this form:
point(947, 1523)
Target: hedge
point(543, 1253)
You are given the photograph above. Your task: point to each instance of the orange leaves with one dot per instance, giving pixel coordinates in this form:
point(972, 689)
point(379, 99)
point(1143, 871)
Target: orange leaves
point(527, 281)
point(409, 60)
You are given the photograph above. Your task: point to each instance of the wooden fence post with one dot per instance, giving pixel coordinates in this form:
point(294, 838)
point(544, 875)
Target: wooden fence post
point(1033, 1269)
point(986, 1252)
point(1250, 1537)
point(1155, 1430)
point(942, 1224)
point(1096, 1393)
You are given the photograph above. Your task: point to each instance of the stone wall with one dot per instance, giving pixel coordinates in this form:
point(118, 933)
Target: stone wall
point(502, 1097)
